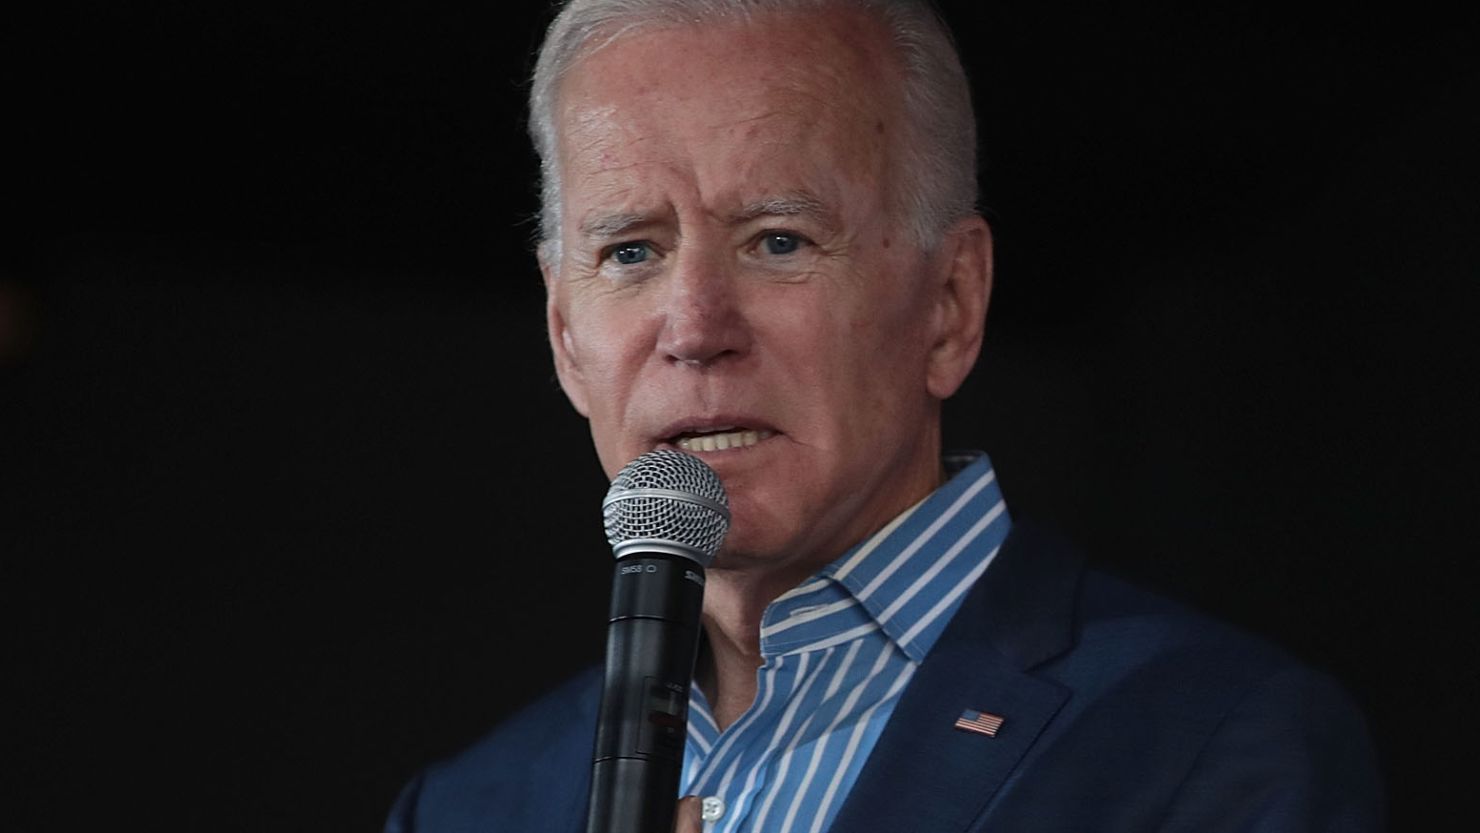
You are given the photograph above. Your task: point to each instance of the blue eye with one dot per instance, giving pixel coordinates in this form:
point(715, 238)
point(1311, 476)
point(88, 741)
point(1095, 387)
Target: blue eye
point(629, 253)
point(781, 243)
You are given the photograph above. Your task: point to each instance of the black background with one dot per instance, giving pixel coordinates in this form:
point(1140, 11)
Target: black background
point(292, 505)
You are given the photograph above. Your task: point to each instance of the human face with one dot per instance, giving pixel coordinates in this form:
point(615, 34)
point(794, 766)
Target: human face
point(732, 280)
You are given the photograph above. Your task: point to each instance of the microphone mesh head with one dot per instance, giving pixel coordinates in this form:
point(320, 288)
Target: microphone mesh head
point(667, 497)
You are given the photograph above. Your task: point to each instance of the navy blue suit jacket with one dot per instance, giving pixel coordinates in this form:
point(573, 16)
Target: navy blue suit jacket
point(1122, 712)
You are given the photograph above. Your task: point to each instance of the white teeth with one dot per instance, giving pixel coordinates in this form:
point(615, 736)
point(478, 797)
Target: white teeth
point(723, 441)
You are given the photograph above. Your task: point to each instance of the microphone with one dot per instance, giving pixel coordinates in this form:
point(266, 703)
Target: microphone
point(666, 515)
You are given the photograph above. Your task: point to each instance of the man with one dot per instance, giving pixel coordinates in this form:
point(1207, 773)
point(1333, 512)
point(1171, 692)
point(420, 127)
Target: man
point(761, 246)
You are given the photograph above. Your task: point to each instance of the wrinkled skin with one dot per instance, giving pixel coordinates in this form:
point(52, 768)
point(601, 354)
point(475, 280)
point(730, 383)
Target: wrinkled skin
point(730, 258)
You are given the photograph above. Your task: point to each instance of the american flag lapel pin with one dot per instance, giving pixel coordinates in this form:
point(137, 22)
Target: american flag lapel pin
point(982, 723)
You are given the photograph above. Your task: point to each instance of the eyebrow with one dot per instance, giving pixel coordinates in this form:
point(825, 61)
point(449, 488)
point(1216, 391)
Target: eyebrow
point(795, 204)
point(611, 225)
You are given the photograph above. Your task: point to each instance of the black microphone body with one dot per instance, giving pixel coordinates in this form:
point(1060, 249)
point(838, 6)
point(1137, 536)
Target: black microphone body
point(652, 642)
point(666, 516)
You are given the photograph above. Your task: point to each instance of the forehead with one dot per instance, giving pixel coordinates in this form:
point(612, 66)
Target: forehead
point(822, 44)
point(764, 92)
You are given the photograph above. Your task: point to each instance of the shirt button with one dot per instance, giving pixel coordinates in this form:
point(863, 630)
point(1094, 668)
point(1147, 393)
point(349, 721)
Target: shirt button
point(712, 808)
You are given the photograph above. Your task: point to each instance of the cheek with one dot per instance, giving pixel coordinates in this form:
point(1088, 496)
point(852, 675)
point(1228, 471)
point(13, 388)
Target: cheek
point(593, 350)
point(590, 337)
point(889, 350)
point(607, 346)
point(594, 358)
point(880, 316)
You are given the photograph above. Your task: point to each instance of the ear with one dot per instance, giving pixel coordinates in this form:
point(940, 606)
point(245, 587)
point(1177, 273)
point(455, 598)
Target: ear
point(567, 369)
point(963, 285)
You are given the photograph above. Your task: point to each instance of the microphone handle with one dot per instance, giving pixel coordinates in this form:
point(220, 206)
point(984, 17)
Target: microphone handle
point(652, 642)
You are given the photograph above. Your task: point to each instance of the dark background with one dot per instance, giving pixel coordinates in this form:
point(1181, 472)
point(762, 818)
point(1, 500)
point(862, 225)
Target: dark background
point(290, 504)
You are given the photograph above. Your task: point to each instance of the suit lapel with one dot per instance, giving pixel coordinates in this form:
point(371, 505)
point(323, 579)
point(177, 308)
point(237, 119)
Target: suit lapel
point(925, 774)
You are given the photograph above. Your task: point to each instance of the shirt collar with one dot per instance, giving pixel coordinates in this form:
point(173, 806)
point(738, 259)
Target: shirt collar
point(906, 579)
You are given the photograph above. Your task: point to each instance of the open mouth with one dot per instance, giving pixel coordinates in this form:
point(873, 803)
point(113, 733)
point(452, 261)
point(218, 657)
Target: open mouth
point(721, 440)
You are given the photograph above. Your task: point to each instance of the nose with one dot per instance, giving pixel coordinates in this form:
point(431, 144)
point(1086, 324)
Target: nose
point(703, 322)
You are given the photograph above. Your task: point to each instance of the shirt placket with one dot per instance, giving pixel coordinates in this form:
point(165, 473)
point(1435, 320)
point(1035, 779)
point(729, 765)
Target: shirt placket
point(733, 803)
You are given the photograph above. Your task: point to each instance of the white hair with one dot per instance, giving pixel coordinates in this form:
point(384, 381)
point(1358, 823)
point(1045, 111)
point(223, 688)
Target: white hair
point(936, 184)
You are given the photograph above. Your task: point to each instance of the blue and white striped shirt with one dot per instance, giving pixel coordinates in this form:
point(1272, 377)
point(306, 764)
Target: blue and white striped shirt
point(838, 650)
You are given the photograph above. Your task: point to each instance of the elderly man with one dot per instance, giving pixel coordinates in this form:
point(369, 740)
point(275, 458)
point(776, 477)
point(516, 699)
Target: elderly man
point(761, 246)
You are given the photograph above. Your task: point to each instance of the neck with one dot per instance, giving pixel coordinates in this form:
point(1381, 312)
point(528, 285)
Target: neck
point(734, 602)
